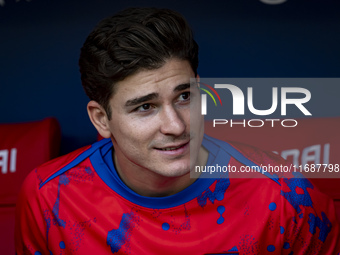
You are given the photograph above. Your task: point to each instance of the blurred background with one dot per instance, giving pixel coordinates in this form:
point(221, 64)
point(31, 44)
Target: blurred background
point(40, 42)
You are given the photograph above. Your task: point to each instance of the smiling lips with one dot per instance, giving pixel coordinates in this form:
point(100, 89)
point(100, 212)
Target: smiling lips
point(173, 148)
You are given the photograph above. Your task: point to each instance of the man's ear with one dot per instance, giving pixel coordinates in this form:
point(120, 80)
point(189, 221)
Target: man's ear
point(99, 118)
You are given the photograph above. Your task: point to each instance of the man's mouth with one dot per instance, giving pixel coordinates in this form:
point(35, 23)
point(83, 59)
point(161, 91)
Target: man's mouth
point(172, 148)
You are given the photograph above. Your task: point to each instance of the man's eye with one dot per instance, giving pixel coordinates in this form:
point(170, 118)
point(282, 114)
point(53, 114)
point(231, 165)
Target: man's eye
point(144, 107)
point(185, 96)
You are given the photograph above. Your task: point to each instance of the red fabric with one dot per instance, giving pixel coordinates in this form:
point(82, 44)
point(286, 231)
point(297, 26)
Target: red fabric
point(309, 132)
point(337, 208)
point(35, 143)
point(79, 211)
point(7, 218)
point(23, 147)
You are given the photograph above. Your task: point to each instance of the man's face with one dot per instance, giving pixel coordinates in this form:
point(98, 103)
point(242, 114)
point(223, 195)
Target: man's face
point(150, 123)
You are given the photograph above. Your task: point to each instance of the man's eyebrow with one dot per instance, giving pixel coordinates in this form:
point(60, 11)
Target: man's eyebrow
point(142, 99)
point(182, 87)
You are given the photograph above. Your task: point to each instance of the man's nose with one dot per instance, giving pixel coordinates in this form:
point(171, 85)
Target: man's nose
point(172, 122)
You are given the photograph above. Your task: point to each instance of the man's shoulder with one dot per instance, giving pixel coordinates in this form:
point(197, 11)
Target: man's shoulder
point(49, 168)
point(263, 166)
point(31, 187)
point(243, 152)
point(58, 166)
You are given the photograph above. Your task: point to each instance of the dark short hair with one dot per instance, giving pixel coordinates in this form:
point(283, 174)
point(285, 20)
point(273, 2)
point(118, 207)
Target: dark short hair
point(133, 39)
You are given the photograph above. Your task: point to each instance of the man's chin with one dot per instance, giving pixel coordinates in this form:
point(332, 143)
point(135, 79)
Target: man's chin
point(175, 172)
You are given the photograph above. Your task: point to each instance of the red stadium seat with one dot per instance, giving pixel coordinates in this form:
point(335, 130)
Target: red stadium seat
point(23, 147)
point(313, 140)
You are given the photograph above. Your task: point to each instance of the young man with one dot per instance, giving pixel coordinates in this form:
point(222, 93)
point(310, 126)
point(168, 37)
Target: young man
point(132, 193)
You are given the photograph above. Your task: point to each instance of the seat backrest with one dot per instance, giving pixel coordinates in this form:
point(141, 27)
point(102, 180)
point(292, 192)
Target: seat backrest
point(23, 147)
point(313, 140)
